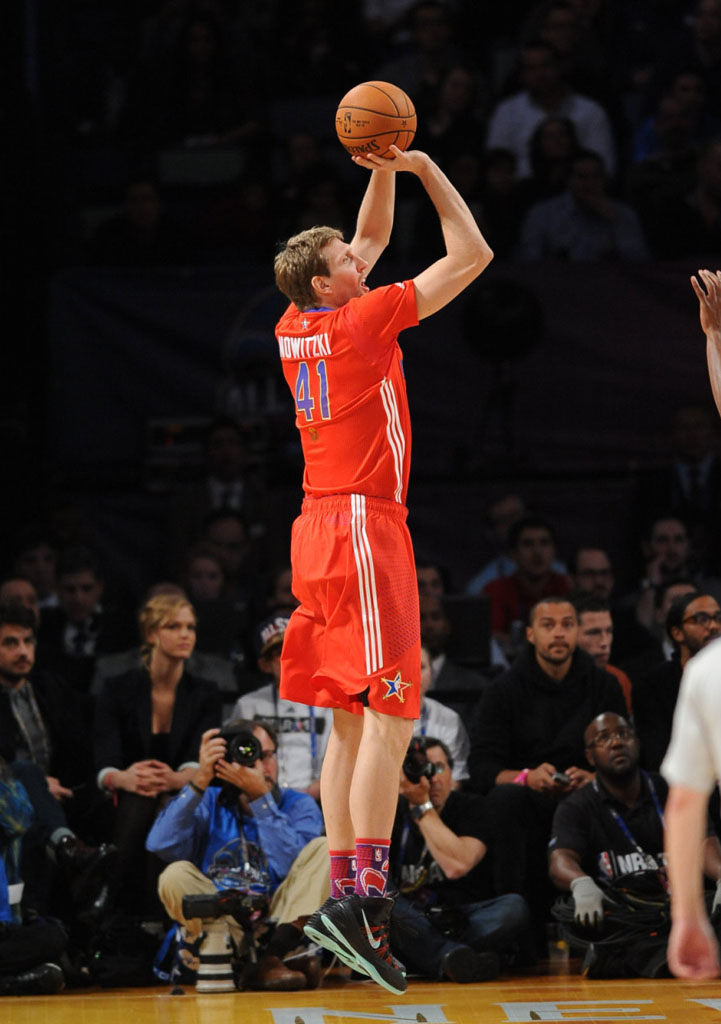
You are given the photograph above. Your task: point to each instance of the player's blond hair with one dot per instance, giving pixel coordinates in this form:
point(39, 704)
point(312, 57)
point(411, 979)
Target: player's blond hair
point(157, 612)
point(300, 260)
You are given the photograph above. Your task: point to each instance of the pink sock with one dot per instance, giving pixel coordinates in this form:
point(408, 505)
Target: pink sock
point(342, 873)
point(371, 866)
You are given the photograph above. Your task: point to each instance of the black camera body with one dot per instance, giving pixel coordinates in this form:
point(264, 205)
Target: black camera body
point(416, 764)
point(245, 907)
point(242, 747)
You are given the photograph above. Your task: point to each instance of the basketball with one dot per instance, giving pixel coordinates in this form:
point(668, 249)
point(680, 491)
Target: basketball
point(373, 116)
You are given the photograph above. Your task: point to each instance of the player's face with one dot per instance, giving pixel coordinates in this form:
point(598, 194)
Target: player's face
point(17, 653)
point(346, 278)
point(595, 636)
point(554, 632)
point(442, 782)
point(176, 637)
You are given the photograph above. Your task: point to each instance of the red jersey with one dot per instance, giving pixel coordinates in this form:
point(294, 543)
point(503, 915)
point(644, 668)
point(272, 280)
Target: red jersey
point(344, 368)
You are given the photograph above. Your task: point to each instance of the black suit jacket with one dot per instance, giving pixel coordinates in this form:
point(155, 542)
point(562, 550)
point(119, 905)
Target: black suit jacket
point(654, 701)
point(67, 718)
point(123, 719)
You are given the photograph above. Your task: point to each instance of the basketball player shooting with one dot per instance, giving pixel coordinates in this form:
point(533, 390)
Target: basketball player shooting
point(353, 644)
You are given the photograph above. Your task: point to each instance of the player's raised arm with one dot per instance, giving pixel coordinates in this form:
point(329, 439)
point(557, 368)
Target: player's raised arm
point(375, 216)
point(710, 314)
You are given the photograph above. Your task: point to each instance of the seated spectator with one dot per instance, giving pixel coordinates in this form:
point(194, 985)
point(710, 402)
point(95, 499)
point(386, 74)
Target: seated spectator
point(568, 28)
point(666, 174)
point(584, 224)
point(302, 731)
point(62, 876)
point(82, 626)
point(591, 572)
point(230, 827)
point(35, 554)
point(693, 620)
point(228, 482)
point(280, 599)
point(544, 94)
point(433, 578)
point(446, 923)
point(526, 729)
point(28, 952)
point(501, 207)
point(687, 482)
point(553, 147)
point(45, 721)
point(608, 839)
point(499, 515)
point(693, 221)
point(453, 123)
point(142, 234)
point(148, 724)
point(668, 555)
point(660, 647)
point(532, 547)
point(221, 626)
point(595, 637)
point(451, 682)
point(686, 88)
point(20, 590)
point(431, 52)
point(438, 720)
point(243, 557)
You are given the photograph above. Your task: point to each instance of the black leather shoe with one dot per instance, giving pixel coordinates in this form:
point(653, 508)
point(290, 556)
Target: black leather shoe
point(43, 980)
point(463, 964)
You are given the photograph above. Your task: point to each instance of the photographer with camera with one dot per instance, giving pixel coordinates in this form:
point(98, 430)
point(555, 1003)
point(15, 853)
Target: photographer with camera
point(607, 850)
point(446, 923)
point(232, 833)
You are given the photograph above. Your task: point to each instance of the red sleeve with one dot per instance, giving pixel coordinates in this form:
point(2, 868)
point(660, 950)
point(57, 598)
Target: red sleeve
point(374, 321)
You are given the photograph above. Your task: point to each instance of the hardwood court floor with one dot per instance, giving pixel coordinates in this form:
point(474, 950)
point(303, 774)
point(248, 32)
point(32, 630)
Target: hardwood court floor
point(560, 996)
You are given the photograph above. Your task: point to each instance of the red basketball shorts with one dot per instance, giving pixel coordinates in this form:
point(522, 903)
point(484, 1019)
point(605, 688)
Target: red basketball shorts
point(354, 642)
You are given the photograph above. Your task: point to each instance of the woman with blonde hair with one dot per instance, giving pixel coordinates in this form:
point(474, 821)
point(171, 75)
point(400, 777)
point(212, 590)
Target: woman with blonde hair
point(148, 726)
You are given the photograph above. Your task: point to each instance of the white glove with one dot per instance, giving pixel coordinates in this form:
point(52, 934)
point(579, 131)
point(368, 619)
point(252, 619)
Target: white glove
point(587, 901)
point(717, 897)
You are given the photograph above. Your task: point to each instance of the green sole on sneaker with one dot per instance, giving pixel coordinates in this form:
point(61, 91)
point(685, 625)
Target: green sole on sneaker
point(349, 957)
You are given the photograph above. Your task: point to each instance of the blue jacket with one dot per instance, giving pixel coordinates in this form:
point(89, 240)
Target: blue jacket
point(16, 815)
point(196, 827)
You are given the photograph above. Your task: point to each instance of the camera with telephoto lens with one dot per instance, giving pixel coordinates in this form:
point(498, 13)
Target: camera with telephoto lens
point(242, 747)
point(416, 764)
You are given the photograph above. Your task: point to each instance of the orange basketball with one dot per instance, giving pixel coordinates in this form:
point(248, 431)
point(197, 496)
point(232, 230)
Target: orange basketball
point(373, 116)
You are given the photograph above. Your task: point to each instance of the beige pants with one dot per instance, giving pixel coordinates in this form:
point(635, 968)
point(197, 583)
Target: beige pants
point(306, 886)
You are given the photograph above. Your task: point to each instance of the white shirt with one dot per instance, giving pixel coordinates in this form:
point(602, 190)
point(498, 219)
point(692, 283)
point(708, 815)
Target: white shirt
point(515, 119)
point(443, 723)
point(302, 733)
point(693, 758)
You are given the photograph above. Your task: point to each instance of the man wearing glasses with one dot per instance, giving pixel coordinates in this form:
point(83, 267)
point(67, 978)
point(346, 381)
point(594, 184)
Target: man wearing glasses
point(446, 922)
point(609, 836)
point(693, 620)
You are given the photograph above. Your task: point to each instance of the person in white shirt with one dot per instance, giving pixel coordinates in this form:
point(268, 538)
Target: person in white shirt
point(692, 764)
point(302, 731)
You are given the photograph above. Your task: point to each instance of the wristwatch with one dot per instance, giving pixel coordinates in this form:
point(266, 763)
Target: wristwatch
point(419, 810)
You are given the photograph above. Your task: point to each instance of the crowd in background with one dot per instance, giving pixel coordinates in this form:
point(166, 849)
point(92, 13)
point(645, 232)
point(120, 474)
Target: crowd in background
point(197, 133)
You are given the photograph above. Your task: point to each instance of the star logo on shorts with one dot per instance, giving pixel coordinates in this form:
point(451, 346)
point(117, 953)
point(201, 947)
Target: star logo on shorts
point(395, 687)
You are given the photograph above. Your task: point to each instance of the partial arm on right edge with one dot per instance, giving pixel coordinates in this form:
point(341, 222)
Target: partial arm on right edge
point(710, 313)
point(692, 947)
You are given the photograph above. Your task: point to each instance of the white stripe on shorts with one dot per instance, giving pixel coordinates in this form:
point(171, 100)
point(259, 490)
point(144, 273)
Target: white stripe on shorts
point(366, 584)
point(396, 438)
